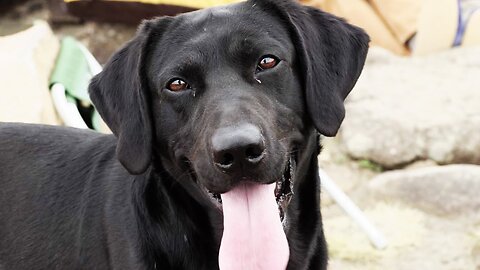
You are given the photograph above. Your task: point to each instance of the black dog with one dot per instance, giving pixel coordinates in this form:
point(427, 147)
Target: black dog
point(222, 104)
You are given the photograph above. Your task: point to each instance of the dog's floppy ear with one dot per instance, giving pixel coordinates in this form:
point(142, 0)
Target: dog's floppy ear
point(331, 54)
point(120, 94)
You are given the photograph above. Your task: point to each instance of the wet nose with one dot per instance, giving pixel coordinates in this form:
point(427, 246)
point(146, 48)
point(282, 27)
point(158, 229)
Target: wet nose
point(237, 148)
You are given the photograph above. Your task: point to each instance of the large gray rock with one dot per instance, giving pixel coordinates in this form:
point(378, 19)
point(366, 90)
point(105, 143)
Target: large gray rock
point(406, 109)
point(26, 60)
point(443, 190)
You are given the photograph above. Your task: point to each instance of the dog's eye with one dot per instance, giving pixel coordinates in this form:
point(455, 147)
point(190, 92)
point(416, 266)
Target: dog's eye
point(176, 85)
point(267, 62)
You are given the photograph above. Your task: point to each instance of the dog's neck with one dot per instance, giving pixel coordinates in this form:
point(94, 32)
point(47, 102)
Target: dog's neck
point(166, 239)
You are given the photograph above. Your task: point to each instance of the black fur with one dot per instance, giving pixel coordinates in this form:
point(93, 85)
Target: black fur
point(73, 199)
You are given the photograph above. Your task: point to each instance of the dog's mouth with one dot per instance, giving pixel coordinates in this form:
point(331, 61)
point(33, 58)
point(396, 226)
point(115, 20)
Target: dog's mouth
point(255, 220)
point(283, 188)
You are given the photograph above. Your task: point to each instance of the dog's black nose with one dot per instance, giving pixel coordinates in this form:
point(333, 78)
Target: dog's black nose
point(237, 148)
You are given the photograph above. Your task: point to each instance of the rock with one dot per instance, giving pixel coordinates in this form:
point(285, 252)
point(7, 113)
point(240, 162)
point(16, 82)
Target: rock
point(407, 109)
point(421, 164)
point(26, 60)
point(443, 190)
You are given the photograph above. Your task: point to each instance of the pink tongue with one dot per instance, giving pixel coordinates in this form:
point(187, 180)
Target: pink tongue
point(253, 237)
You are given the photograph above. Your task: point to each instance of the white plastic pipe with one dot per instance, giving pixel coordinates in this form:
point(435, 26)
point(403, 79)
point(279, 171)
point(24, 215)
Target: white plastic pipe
point(67, 111)
point(375, 236)
point(93, 64)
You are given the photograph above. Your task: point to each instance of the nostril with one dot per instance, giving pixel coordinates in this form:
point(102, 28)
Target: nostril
point(254, 153)
point(225, 160)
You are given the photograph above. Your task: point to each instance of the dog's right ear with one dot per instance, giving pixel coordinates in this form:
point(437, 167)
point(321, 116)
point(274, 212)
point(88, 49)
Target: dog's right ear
point(331, 53)
point(120, 94)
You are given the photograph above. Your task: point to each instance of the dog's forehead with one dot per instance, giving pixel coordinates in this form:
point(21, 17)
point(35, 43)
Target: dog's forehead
point(203, 28)
point(202, 15)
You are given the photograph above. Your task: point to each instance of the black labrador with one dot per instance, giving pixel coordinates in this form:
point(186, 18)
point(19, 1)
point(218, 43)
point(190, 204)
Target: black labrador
point(216, 116)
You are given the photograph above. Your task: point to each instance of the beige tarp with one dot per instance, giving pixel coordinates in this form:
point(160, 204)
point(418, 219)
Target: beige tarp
point(390, 23)
point(26, 60)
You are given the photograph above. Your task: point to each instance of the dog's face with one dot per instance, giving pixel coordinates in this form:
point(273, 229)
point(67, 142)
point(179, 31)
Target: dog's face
point(227, 98)
point(230, 95)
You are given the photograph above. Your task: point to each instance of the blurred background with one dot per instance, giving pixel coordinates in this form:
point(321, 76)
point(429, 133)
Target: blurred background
point(408, 153)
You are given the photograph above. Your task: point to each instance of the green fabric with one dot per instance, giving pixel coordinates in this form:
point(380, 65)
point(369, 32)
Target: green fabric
point(72, 70)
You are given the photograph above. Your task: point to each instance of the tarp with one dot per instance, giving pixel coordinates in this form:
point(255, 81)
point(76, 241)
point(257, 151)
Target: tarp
point(390, 23)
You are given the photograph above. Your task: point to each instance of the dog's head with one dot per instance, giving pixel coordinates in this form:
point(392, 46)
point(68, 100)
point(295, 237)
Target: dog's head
point(231, 93)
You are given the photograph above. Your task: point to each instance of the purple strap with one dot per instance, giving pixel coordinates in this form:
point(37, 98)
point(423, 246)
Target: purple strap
point(462, 23)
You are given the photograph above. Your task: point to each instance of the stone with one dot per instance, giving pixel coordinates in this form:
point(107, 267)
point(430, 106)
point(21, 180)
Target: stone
point(408, 109)
point(450, 190)
point(26, 61)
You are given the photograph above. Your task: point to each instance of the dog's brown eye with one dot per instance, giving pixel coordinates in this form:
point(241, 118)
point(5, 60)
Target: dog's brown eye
point(267, 62)
point(177, 85)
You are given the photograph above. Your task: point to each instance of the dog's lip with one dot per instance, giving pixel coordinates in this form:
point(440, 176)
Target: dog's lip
point(283, 190)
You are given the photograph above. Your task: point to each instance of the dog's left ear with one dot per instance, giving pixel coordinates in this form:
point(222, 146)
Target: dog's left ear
point(331, 55)
point(120, 94)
